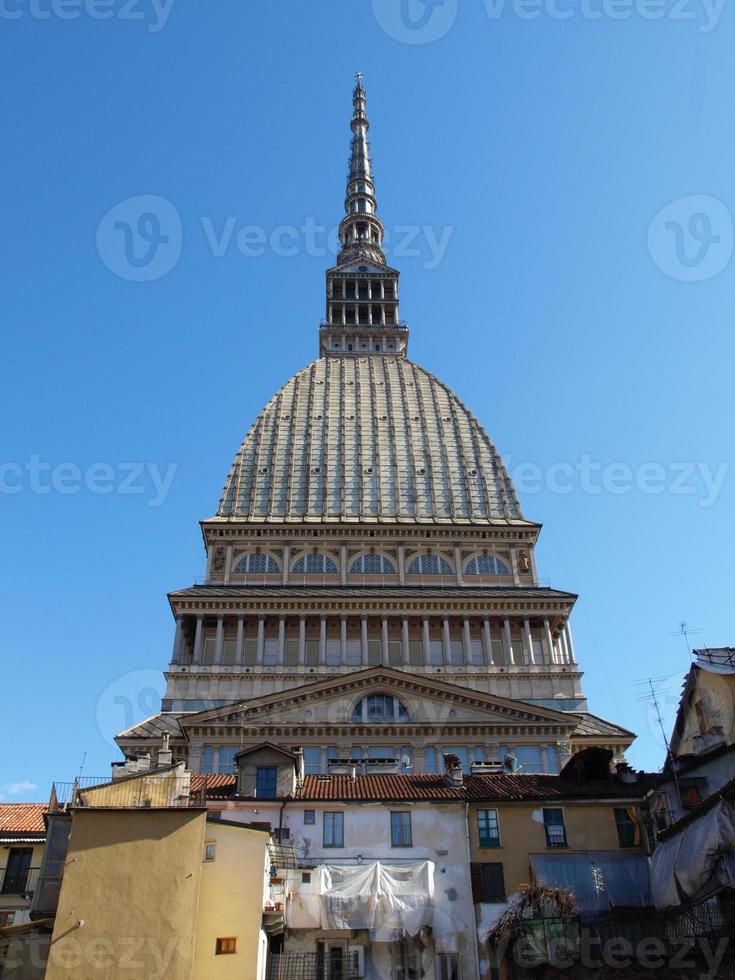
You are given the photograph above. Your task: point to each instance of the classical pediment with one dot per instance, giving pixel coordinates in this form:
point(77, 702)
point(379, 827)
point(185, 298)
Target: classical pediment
point(427, 701)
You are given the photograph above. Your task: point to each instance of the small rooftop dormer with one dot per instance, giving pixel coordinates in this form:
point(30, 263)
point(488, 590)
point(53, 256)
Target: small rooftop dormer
point(268, 772)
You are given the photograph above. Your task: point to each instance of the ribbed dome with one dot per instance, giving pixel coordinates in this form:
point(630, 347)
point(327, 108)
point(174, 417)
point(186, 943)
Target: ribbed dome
point(368, 439)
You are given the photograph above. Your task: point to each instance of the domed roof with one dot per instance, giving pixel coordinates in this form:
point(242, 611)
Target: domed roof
point(368, 439)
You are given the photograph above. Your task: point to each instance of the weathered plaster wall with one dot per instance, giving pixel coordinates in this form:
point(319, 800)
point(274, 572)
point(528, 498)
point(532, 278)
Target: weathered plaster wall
point(129, 897)
point(231, 903)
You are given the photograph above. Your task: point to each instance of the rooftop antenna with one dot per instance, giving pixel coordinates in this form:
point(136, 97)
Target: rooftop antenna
point(81, 768)
point(685, 631)
point(651, 696)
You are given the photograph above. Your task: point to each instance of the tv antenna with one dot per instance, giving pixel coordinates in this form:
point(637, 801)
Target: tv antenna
point(651, 696)
point(686, 631)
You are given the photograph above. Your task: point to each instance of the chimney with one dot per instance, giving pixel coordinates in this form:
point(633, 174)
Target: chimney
point(453, 770)
point(165, 756)
point(624, 773)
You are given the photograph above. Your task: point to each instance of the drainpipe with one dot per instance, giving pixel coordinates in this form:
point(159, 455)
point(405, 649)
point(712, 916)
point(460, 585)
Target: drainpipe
point(476, 943)
point(280, 819)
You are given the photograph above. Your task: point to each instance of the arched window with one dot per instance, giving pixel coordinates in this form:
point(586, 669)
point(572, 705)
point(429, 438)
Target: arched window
point(379, 708)
point(256, 564)
point(315, 565)
point(429, 565)
point(486, 565)
point(372, 565)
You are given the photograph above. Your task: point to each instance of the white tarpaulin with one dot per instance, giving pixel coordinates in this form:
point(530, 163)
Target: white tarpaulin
point(682, 866)
point(383, 898)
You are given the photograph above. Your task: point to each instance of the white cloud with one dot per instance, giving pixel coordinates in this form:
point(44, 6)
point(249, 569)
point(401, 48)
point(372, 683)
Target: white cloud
point(15, 789)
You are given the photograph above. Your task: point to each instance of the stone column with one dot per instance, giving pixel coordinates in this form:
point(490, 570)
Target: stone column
point(529, 641)
point(220, 640)
point(286, 563)
point(446, 642)
point(425, 637)
point(228, 564)
point(302, 641)
point(570, 644)
point(458, 563)
point(281, 639)
point(322, 640)
point(261, 641)
point(240, 642)
point(467, 641)
point(487, 641)
point(343, 640)
point(549, 642)
point(509, 657)
point(177, 655)
point(364, 640)
point(343, 564)
point(401, 564)
point(384, 640)
point(405, 656)
point(198, 639)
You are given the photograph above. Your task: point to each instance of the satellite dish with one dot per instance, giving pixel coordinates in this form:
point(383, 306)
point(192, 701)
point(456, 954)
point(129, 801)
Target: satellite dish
point(510, 763)
point(406, 762)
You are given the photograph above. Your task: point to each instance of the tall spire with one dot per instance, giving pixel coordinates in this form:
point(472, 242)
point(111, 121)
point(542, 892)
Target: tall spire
point(362, 290)
point(361, 231)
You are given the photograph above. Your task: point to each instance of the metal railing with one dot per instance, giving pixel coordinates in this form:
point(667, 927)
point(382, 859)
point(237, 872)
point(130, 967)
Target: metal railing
point(145, 790)
point(23, 882)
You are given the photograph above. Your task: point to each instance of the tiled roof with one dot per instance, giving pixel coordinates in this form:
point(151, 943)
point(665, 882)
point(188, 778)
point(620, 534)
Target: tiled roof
point(165, 723)
point(219, 785)
point(369, 591)
point(395, 786)
point(22, 818)
point(594, 726)
point(389, 786)
point(518, 786)
point(420, 455)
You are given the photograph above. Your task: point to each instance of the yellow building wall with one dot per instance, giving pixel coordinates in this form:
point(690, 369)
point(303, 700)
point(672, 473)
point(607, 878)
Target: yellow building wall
point(129, 897)
point(231, 902)
point(589, 826)
point(13, 901)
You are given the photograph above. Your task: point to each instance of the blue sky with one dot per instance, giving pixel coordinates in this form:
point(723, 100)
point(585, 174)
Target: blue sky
point(577, 173)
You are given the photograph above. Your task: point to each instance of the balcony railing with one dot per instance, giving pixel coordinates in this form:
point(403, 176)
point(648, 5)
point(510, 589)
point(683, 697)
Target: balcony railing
point(14, 882)
point(146, 790)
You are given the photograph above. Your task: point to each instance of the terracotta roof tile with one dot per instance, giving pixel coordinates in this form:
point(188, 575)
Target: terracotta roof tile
point(388, 786)
point(394, 786)
point(22, 818)
point(519, 786)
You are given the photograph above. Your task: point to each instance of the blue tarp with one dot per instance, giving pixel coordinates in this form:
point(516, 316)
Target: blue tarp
point(599, 880)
